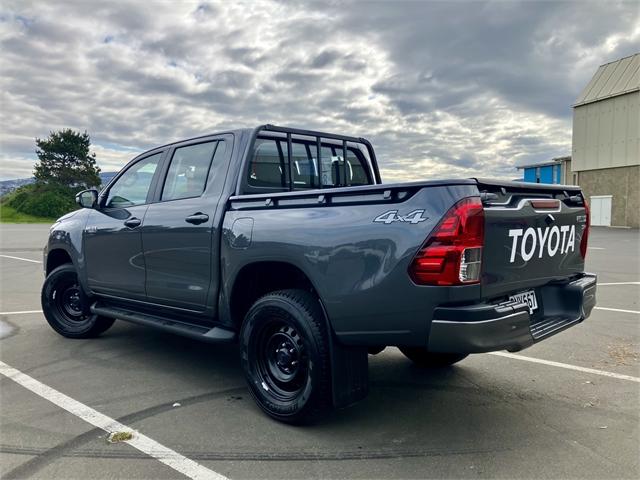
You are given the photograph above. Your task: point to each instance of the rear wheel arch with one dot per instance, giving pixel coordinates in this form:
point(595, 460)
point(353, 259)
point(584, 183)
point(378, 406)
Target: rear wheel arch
point(260, 278)
point(294, 384)
point(349, 365)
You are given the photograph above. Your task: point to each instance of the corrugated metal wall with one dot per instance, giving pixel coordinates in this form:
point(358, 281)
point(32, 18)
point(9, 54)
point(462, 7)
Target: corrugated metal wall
point(611, 79)
point(543, 174)
point(607, 133)
point(530, 175)
point(546, 174)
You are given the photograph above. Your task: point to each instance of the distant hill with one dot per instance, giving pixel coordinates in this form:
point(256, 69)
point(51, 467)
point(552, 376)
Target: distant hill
point(106, 177)
point(7, 186)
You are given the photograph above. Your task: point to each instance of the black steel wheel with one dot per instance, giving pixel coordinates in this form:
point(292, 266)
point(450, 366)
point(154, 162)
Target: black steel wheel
point(282, 362)
point(66, 308)
point(285, 356)
point(424, 358)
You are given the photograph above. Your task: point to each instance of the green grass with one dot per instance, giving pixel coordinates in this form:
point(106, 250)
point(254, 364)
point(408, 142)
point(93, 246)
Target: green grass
point(10, 215)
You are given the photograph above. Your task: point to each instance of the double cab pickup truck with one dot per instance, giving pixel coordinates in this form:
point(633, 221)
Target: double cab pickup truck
point(287, 242)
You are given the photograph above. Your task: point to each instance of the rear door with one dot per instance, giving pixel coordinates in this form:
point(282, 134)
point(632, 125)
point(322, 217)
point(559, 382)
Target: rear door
point(532, 237)
point(179, 235)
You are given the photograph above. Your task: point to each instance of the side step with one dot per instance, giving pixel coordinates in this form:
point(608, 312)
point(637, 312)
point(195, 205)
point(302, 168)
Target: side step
point(198, 332)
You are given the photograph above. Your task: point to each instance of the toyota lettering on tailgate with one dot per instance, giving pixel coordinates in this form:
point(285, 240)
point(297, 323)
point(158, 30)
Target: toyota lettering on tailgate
point(548, 239)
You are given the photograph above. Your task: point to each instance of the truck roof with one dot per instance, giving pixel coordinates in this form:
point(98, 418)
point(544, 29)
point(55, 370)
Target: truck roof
point(268, 128)
point(237, 131)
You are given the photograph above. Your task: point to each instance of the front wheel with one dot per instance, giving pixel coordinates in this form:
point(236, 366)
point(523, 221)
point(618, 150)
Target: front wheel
point(424, 358)
point(64, 305)
point(284, 345)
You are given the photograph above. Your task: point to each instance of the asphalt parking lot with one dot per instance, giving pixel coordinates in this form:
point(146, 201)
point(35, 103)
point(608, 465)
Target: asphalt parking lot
point(489, 416)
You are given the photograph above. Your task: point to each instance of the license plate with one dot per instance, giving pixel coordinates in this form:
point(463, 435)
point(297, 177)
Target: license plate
point(528, 297)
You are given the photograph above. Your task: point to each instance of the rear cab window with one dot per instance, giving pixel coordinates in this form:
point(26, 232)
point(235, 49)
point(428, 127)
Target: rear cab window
point(269, 169)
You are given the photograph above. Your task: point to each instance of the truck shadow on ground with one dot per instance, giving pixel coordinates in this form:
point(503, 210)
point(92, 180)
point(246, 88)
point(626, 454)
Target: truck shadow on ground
point(409, 411)
point(462, 413)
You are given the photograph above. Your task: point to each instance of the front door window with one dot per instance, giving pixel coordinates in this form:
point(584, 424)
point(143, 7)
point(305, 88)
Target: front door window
point(132, 187)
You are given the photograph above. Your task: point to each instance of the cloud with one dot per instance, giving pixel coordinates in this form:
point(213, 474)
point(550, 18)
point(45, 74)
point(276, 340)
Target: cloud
point(442, 89)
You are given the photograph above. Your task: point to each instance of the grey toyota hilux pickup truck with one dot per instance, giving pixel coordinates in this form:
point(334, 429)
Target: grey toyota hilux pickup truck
point(287, 242)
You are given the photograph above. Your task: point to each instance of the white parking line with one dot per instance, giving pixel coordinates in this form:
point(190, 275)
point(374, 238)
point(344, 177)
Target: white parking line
point(567, 366)
point(617, 283)
point(596, 248)
point(20, 258)
point(617, 310)
point(21, 312)
point(172, 459)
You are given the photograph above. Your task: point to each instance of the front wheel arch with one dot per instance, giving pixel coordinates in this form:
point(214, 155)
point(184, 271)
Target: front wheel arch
point(65, 305)
point(56, 258)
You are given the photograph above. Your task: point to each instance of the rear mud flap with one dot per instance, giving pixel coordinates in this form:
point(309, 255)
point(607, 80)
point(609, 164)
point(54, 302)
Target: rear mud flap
point(350, 373)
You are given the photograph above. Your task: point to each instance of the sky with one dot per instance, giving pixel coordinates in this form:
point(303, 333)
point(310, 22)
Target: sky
point(442, 89)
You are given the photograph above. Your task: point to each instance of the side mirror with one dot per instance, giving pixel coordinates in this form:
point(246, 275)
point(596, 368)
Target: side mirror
point(87, 198)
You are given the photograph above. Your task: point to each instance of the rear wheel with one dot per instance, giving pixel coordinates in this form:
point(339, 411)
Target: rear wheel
point(284, 345)
point(424, 358)
point(65, 306)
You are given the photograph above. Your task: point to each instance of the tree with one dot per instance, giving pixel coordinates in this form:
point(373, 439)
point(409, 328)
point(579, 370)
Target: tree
point(64, 159)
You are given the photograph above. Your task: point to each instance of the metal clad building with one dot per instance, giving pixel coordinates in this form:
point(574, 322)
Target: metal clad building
point(606, 143)
point(557, 171)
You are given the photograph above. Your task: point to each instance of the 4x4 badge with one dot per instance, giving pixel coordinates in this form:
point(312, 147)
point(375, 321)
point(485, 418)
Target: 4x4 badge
point(391, 216)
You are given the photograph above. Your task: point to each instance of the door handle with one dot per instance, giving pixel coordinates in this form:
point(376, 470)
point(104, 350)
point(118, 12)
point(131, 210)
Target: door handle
point(133, 222)
point(197, 218)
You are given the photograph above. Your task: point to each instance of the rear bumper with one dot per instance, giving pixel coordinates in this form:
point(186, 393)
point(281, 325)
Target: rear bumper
point(509, 326)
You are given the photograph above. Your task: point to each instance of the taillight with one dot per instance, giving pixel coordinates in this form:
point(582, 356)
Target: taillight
point(585, 233)
point(452, 255)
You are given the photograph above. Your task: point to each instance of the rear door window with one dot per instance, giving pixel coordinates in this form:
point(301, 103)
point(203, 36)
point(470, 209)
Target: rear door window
point(189, 170)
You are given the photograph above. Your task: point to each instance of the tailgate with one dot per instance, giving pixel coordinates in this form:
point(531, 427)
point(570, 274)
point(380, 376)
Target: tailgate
point(533, 235)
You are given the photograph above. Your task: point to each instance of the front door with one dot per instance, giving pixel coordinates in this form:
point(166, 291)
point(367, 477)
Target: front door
point(112, 239)
point(179, 230)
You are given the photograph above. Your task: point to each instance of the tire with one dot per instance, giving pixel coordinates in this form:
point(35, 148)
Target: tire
point(65, 306)
point(423, 358)
point(284, 347)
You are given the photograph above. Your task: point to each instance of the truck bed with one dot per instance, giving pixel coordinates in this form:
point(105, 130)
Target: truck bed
point(359, 266)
